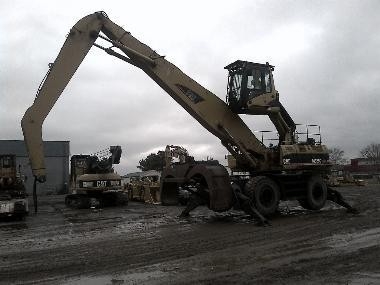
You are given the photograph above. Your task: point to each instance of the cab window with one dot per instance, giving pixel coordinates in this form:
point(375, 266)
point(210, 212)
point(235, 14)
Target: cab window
point(268, 83)
point(235, 86)
point(254, 80)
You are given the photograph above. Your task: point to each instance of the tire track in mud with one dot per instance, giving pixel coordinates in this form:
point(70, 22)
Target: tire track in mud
point(120, 252)
point(155, 246)
point(287, 250)
point(208, 247)
point(123, 253)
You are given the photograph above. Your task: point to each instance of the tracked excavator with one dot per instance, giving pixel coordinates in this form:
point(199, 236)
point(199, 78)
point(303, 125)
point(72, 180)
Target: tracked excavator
point(93, 181)
point(289, 170)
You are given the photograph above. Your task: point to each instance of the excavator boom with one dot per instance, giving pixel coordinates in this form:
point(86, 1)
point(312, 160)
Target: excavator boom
point(289, 170)
point(208, 109)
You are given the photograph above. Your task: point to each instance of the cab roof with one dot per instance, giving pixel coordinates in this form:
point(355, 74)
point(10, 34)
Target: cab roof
point(238, 64)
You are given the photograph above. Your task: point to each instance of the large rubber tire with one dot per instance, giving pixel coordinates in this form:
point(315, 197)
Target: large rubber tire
point(264, 193)
point(77, 201)
point(316, 194)
point(121, 199)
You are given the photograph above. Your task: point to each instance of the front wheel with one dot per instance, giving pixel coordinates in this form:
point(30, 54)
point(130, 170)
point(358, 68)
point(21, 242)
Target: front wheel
point(264, 193)
point(316, 194)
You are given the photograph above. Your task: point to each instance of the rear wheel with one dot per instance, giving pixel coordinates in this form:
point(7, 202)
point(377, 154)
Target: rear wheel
point(77, 201)
point(121, 199)
point(316, 194)
point(264, 193)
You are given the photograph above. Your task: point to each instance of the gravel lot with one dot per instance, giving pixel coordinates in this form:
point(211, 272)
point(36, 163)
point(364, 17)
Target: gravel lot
point(149, 244)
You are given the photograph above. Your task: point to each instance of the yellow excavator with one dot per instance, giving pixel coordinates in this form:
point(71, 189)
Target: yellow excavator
point(93, 181)
point(289, 170)
point(13, 196)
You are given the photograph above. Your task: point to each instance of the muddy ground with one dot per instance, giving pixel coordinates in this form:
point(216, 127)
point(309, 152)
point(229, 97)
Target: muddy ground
point(149, 244)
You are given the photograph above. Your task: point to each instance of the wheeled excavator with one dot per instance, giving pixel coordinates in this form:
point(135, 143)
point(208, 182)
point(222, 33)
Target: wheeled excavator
point(288, 170)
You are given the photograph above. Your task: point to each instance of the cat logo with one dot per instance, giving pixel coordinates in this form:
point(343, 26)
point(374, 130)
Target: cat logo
point(101, 183)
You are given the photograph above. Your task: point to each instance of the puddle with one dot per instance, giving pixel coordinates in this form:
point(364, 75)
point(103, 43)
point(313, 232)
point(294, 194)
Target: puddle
point(230, 218)
point(90, 220)
point(365, 278)
point(133, 278)
point(18, 226)
point(354, 241)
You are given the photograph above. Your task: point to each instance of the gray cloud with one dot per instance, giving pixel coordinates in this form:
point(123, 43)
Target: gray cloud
point(326, 55)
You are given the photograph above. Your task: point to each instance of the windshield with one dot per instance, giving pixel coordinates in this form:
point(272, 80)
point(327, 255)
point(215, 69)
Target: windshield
point(254, 80)
point(258, 82)
point(268, 83)
point(235, 86)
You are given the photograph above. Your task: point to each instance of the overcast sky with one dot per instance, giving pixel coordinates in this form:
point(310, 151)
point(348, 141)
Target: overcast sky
point(326, 56)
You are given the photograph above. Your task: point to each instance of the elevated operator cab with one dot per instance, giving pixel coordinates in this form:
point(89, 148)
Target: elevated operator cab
point(250, 88)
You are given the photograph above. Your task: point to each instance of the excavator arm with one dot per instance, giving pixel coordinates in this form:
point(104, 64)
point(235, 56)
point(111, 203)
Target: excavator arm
point(208, 109)
point(287, 167)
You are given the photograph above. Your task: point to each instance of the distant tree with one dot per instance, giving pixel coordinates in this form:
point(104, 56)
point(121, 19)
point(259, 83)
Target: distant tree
point(337, 155)
point(153, 162)
point(371, 152)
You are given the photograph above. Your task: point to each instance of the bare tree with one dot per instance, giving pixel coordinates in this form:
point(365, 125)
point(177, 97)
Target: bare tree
point(372, 153)
point(337, 155)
